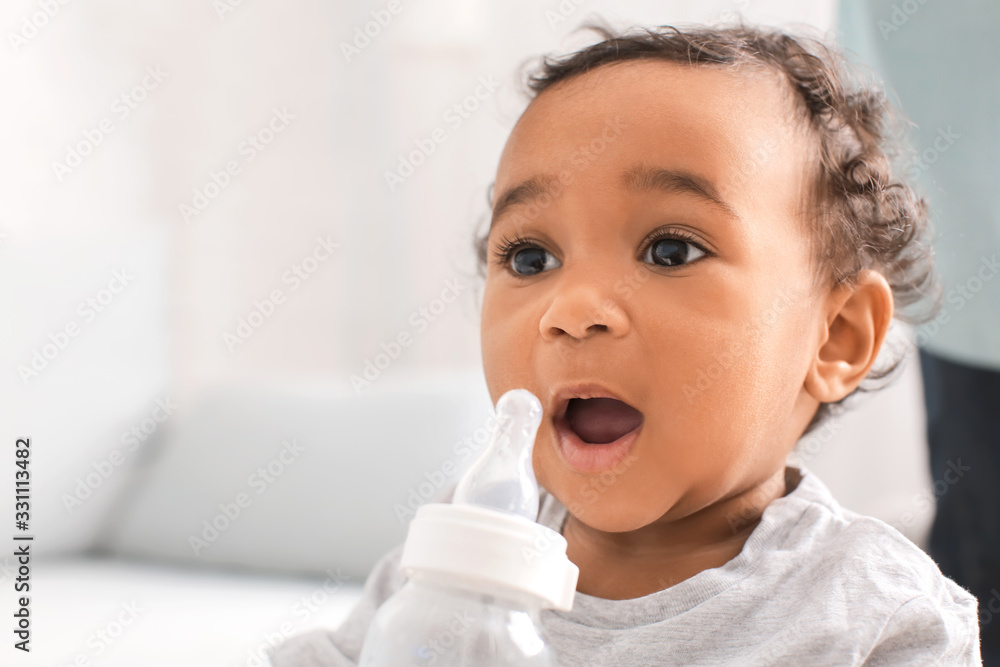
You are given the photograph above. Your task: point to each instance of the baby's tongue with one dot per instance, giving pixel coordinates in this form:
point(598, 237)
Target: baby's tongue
point(601, 420)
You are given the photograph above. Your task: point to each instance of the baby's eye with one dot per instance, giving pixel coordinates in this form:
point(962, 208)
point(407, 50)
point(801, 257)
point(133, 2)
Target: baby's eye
point(532, 260)
point(524, 257)
point(672, 251)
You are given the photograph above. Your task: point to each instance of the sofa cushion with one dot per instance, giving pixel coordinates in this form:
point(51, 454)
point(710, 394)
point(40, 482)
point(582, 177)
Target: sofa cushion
point(299, 481)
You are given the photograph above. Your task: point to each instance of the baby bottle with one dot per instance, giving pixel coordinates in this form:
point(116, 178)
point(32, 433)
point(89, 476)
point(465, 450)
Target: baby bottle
point(480, 569)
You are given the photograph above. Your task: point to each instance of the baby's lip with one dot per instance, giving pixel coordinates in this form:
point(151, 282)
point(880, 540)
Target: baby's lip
point(562, 394)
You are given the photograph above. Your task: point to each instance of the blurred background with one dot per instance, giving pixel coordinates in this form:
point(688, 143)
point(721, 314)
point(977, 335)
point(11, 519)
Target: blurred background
point(240, 305)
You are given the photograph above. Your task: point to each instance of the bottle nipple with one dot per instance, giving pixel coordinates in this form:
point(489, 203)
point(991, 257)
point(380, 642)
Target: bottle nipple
point(503, 478)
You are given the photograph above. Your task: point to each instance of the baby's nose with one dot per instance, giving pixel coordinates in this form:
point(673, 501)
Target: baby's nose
point(582, 307)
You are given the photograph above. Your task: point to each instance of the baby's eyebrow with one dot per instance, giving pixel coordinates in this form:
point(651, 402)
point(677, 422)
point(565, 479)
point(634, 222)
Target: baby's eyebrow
point(637, 179)
point(525, 192)
point(643, 178)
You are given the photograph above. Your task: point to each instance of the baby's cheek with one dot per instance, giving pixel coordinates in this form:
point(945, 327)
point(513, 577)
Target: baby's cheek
point(502, 347)
point(718, 384)
point(750, 391)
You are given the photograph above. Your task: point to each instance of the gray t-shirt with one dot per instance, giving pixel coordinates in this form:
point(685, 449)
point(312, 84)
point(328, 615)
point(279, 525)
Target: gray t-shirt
point(815, 584)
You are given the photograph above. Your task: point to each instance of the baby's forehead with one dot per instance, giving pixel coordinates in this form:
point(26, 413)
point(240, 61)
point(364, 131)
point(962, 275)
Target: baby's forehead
point(655, 85)
point(737, 127)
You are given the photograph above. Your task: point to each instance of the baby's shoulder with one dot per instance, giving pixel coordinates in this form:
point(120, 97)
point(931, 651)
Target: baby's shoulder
point(843, 574)
point(868, 558)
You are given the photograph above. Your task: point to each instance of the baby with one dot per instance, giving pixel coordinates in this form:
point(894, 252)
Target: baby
point(695, 252)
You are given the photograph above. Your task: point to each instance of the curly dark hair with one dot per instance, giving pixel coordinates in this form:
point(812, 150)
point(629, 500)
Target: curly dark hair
point(864, 216)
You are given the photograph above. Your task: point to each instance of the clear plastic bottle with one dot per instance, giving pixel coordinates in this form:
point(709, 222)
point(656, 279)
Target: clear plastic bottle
point(480, 569)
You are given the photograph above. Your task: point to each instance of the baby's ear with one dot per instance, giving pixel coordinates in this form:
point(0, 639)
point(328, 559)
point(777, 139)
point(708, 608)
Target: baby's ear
point(857, 320)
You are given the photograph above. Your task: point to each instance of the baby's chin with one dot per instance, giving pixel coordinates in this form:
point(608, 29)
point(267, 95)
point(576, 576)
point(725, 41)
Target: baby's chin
point(611, 511)
point(609, 519)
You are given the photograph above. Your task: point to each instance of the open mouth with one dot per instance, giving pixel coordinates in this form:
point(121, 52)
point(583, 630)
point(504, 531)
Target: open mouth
point(595, 433)
point(598, 421)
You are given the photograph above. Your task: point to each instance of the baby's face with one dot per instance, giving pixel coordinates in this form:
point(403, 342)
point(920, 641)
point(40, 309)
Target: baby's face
point(670, 265)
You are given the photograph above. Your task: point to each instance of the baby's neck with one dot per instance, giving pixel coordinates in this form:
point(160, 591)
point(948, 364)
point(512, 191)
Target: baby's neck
point(620, 566)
